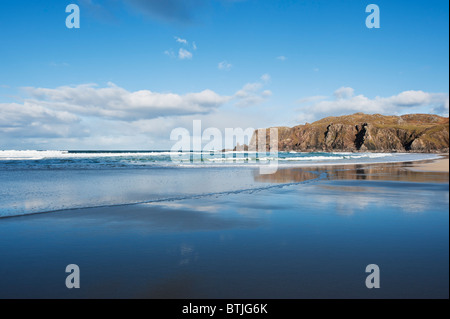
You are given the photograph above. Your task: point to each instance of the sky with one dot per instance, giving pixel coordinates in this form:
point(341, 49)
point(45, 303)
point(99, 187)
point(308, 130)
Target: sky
point(135, 70)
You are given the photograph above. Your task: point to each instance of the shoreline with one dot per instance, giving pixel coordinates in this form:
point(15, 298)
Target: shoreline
point(256, 245)
point(437, 165)
point(427, 170)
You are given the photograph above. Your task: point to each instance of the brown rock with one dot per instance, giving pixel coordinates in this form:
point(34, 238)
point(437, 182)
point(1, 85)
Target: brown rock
point(363, 132)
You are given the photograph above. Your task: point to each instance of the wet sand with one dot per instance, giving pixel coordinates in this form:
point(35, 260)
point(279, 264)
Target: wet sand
point(312, 238)
point(440, 165)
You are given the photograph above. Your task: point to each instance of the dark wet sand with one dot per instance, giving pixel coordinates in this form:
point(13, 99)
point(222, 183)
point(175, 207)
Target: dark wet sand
point(310, 240)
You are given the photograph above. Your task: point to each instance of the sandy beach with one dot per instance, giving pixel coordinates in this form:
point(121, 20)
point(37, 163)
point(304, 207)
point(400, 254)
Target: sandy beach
point(309, 237)
point(224, 153)
point(440, 165)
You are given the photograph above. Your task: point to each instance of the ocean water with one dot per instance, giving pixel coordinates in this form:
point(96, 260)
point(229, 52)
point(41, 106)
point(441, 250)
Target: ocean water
point(143, 159)
point(141, 226)
point(44, 181)
point(312, 239)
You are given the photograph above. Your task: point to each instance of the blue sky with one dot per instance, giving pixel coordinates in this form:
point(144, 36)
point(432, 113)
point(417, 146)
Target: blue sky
point(137, 69)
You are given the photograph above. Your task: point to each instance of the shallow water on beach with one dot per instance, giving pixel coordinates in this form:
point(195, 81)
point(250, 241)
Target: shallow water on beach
point(44, 181)
point(34, 191)
point(299, 237)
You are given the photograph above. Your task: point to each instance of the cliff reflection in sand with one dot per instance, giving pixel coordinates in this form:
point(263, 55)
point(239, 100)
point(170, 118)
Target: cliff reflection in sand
point(383, 172)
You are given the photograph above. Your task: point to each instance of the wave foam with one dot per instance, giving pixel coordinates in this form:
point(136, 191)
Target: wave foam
point(38, 155)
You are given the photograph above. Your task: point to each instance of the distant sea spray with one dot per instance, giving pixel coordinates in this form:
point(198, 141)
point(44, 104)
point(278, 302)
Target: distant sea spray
point(61, 159)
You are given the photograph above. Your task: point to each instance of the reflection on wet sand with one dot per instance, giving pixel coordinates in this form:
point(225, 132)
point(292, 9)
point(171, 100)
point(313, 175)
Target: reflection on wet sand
point(370, 172)
point(147, 218)
point(259, 244)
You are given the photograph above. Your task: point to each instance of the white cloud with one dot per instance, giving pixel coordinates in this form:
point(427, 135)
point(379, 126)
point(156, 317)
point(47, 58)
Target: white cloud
point(411, 98)
point(346, 102)
point(31, 119)
point(265, 78)
point(180, 40)
point(344, 93)
point(253, 93)
point(91, 117)
point(184, 54)
point(281, 58)
point(113, 102)
point(441, 108)
point(224, 65)
point(266, 93)
point(249, 88)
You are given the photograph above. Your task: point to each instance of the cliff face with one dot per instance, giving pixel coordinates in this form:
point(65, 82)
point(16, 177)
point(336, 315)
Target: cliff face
point(363, 132)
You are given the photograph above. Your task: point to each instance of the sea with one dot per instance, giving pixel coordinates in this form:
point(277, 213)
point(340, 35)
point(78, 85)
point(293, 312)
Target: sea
point(152, 224)
point(34, 181)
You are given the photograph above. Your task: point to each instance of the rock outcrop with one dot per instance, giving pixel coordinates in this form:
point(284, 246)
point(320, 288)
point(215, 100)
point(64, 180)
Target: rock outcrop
point(363, 132)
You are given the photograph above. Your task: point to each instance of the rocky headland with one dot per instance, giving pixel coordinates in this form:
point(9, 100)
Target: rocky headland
point(363, 132)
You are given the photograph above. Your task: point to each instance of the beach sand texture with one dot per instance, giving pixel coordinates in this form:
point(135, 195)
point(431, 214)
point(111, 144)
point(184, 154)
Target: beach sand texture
point(312, 238)
point(441, 165)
